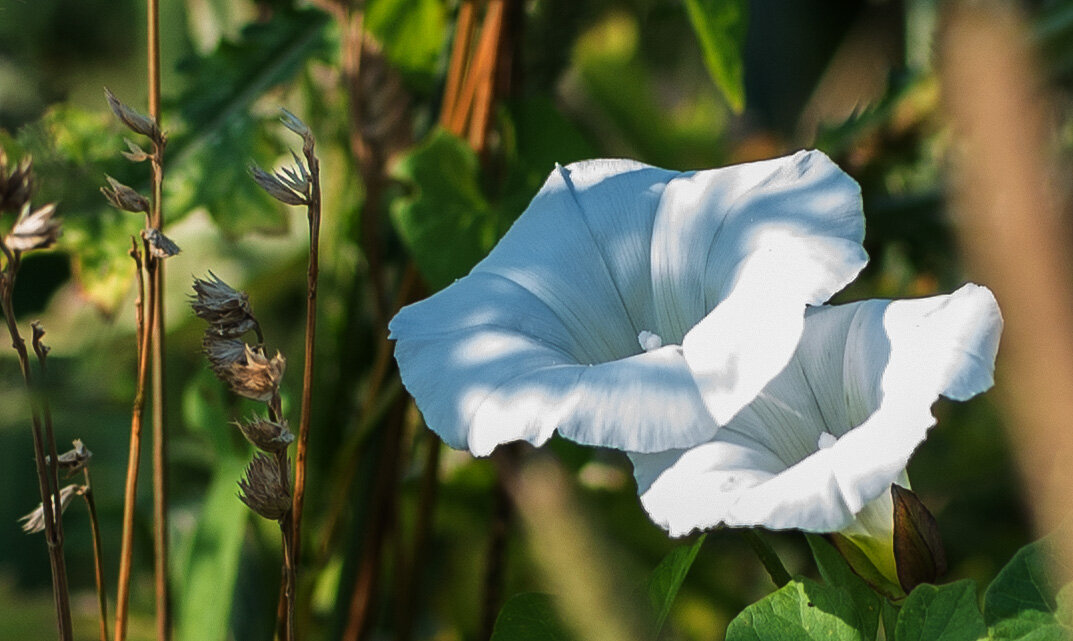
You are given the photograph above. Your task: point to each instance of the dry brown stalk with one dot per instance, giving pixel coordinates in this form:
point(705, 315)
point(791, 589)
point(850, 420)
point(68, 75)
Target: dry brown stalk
point(133, 457)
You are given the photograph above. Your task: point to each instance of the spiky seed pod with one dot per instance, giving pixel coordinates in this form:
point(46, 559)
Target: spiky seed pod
point(137, 122)
point(160, 245)
point(125, 198)
point(263, 490)
point(34, 230)
point(223, 353)
point(35, 521)
point(266, 435)
point(74, 459)
point(226, 309)
point(16, 183)
point(288, 186)
point(257, 377)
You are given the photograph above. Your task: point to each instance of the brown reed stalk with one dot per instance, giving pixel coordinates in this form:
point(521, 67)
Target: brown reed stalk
point(98, 555)
point(126, 554)
point(313, 210)
point(156, 301)
point(35, 236)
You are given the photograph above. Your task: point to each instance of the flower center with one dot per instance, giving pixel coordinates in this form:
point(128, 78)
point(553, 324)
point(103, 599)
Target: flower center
point(826, 440)
point(649, 341)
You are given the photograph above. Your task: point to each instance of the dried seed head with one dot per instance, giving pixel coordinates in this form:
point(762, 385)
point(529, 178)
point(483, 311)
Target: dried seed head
point(34, 230)
point(137, 122)
point(16, 183)
point(287, 186)
point(223, 353)
point(160, 245)
point(124, 198)
point(263, 490)
point(257, 377)
point(134, 153)
point(265, 434)
point(74, 459)
point(35, 521)
point(226, 309)
point(292, 122)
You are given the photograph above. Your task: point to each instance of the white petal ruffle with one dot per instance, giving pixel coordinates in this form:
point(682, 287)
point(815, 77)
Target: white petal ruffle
point(543, 333)
point(864, 373)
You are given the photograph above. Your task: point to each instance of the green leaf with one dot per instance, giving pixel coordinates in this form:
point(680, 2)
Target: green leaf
point(801, 610)
point(211, 559)
point(529, 617)
point(836, 572)
point(412, 33)
point(667, 578)
point(1023, 602)
point(720, 28)
point(445, 221)
point(941, 613)
point(73, 149)
point(206, 162)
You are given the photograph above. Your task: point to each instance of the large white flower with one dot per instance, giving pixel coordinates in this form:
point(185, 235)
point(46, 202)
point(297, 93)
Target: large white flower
point(830, 434)
point(633, 307)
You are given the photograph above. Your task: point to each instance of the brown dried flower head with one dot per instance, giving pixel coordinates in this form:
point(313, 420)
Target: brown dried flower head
point(34, 230)
point(263, 490)
point(266, 435)
point(160, 245)
point(74, 459)
point(135, 121)
point(257, 377)
point(289, 186)
point(124, 197)
point(134, 153)
point(35, 521)
point(226, 309)
point(16, 183)
point(223, 353)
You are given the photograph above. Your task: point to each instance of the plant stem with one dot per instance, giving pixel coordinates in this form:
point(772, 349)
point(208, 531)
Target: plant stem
point(426, 507)
point(98, 557)
point(127, 544)
point(313, 213)
point(775, 569)
point(156, 301)
point(46, 470)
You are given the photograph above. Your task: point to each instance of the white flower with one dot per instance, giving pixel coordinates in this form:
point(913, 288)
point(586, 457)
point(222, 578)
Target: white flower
point(633, 307)
point(830, 434)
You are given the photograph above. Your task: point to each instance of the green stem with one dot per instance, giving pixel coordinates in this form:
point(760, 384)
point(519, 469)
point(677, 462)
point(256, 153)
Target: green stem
point(775, 569)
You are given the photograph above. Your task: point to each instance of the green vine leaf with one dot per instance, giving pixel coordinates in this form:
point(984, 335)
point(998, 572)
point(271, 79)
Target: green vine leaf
point(1025, 602)
point(529, 616)
point(667, 579)
point(836, 572)
point(801, 610)
point(941, 613)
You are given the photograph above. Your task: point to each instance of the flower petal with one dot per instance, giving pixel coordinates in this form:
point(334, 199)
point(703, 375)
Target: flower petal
point(489, 363)
point(582, 247)
point(867, 373)
point(737, 253)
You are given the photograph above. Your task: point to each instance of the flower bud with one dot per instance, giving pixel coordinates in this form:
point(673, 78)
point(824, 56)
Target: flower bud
point(134, 153)
point(35, 521)
point(134, 120)
point(918, 548)
point(266, 435)
point(37, 230)
point(124, 198)
point(264, 490)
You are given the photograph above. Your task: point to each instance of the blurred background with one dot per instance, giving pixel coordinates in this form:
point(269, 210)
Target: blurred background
point(405, 539)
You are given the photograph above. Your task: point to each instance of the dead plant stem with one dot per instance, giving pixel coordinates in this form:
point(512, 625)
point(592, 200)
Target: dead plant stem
point(133, 458)
point(98, 556)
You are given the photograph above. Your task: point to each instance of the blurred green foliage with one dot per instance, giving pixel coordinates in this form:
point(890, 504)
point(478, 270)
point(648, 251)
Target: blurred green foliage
point(680, 84)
